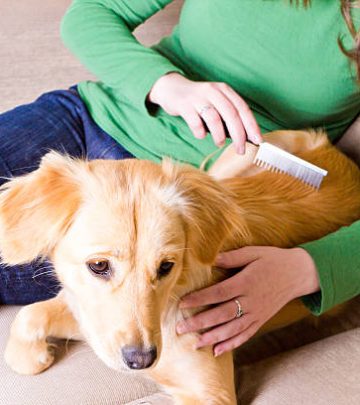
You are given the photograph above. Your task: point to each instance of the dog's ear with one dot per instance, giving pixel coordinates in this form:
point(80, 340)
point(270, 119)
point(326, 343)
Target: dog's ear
point(36, 209)
point(211, 214)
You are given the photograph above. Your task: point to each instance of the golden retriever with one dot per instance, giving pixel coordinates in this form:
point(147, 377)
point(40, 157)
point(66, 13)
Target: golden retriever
point(129, 238)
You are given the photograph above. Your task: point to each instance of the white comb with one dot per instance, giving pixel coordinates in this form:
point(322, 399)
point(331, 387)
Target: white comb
point(275, 159)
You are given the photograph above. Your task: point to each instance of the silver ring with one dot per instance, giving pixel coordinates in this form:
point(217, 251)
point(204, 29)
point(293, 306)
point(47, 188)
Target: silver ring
point(239, 310)
point(204, 109)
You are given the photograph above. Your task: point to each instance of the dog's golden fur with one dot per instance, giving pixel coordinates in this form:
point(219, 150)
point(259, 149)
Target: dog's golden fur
point(137, 214)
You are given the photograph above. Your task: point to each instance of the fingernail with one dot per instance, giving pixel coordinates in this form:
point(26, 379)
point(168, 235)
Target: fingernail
point(217, 352)
point(240, 149)
point(180, 328)
point(258, 139)
point(200, 136)
point(220, 259)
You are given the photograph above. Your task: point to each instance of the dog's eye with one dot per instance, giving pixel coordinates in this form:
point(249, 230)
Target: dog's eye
point(100, 268)
point(164, 269)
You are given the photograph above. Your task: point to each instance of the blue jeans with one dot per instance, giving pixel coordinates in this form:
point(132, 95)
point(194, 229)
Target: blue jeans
point(59, 121)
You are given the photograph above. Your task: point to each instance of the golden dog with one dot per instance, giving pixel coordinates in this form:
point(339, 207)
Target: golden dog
point(129, 238)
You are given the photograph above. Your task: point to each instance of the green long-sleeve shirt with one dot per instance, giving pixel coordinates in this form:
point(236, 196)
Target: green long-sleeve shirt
point(283, 60)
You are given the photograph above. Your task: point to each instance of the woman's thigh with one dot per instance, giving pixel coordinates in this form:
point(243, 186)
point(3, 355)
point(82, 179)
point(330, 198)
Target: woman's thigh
point(58, 121)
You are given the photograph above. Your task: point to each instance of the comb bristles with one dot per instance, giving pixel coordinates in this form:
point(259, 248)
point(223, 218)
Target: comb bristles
point(276, 160)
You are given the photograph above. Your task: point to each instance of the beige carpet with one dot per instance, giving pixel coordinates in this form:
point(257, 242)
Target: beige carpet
point(33, 59)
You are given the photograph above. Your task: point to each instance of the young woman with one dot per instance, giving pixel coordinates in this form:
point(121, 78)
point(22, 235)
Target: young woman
point(237, 67)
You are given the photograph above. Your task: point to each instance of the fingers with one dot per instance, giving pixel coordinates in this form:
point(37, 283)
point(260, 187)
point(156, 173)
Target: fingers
point(229, 288)
point(236, 341)
point(248, 120)
point(180, 96)
point(227, 110)
point(214, 122)
point(195, 123)
point(239, 257)
point(206, 319)
point(220, 292)
point(224, 332)
point(232, 119)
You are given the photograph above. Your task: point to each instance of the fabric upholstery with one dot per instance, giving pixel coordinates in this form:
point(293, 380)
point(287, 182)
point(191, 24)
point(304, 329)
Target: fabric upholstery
point(298, 376)
point(322, 373)
point(78, 377)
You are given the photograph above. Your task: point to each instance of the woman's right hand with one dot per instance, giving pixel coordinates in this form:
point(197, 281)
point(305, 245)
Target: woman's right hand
point(210, 103)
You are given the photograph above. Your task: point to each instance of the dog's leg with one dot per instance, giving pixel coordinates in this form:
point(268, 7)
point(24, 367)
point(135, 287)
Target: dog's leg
point(195, 377)
point(27, 350)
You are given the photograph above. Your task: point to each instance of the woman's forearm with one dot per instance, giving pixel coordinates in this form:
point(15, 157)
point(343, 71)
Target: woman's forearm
point(338, 264)
point(99, 33)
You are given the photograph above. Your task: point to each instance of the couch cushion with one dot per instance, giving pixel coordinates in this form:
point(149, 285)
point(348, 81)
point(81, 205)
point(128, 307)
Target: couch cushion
point(322, 373)
point(297, 376)
point(77, 377)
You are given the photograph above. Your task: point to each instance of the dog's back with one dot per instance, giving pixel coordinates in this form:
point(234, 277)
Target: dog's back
point(282, 211)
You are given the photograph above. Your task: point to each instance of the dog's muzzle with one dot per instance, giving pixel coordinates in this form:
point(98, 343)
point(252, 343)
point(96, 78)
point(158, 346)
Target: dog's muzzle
point(138, 358)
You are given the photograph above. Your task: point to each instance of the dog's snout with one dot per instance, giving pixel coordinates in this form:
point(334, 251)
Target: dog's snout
point(137, 357)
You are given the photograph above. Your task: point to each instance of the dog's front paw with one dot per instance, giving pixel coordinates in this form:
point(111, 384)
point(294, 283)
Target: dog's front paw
point(27, 351)
point(28, 357)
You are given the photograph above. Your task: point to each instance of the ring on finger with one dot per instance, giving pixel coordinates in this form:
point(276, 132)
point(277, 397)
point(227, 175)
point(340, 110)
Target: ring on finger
point(204, 109)
point(239, 309)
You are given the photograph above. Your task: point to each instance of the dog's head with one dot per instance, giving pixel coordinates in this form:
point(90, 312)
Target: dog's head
point(125, 237)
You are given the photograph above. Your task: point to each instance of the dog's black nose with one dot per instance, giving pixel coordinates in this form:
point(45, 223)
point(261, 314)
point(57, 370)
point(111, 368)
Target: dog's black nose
point(137, 357)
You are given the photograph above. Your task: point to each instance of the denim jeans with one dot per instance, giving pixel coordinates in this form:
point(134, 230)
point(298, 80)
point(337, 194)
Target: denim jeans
point(59, 121)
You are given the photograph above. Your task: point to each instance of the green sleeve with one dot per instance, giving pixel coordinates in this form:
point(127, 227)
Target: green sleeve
point(99, 33)
point(337, 258)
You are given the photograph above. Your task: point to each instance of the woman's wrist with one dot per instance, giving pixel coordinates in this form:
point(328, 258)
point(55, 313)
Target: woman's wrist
point(306, 277)
point(161, 85)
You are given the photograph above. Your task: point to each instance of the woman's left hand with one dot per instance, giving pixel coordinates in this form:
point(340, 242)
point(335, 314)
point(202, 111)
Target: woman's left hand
point(271, 278)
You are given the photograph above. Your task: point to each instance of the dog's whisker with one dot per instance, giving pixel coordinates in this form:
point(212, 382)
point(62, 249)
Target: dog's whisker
point(76, 337)
point(80, 344)
point(49, 269)
point(42, 273)
point(21, 169)
point(6, 178)
point(44, 268)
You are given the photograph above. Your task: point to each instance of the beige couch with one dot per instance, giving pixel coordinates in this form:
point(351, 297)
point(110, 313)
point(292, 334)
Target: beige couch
point(302, 364)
